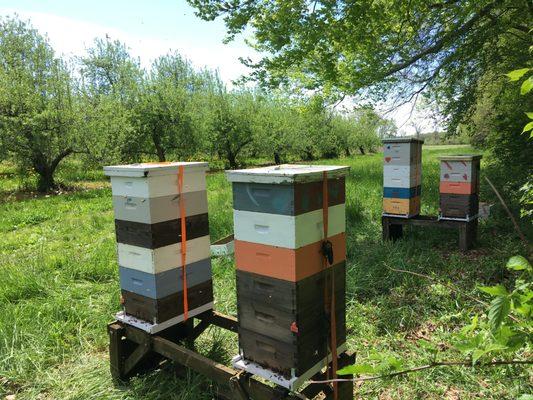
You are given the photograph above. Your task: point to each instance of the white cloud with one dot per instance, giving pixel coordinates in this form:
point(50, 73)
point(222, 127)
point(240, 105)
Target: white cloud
point(71, 37)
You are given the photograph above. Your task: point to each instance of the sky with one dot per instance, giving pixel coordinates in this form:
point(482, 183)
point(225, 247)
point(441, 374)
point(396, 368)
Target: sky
point(150, 29)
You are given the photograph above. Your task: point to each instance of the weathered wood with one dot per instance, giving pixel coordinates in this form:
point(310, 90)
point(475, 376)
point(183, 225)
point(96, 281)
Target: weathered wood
point(392, 228)
point(136, 356)
point(132, 348)
point(221, 320)
point(116, 357)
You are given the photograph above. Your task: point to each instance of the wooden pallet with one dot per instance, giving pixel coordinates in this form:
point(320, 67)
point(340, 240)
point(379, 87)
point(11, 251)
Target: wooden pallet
point(133, 351)
point(393, 228)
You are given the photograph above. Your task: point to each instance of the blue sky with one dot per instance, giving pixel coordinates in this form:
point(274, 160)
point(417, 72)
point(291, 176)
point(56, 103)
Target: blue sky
point(151, 29)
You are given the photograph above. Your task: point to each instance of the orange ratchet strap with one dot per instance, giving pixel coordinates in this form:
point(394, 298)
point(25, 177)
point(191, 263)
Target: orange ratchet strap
point(328, 258)
point(183, 243)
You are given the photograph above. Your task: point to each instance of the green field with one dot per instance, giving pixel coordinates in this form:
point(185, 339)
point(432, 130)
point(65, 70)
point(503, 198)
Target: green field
point(59, 288)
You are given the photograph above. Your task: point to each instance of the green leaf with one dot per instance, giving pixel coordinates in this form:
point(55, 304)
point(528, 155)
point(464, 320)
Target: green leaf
point(527, 85)
point(427, 345)
point(472, 326)
point(518, 263)
point(498, 290)
point(528, 127)
point(525, 397)
point(498, 311)
point(357, 369)
point(517, 74)
point(529, 115)
point(477, 354)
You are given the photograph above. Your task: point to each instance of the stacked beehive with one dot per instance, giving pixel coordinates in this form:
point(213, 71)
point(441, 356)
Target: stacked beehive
point(282, 278)
point(459, 186)
point(402, 176)
point(149, 202)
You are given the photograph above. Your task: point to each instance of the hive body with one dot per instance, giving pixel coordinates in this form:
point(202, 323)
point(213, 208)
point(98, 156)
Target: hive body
point(459, 186)
point(402, 176)
point(146, 203)
point(283, 283)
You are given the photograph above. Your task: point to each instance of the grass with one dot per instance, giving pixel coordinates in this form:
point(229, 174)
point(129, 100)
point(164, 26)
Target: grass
point(59, 288)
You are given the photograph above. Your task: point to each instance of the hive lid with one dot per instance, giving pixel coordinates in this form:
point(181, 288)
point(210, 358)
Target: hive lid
point(409, 139)
point(461, 157)
point(152, 169)
point(286, 173)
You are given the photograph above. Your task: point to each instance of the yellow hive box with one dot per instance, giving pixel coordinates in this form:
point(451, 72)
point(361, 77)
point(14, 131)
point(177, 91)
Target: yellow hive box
point(405, 207)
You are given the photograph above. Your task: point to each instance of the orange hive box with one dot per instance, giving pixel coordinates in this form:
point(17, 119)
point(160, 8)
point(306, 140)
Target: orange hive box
point(401, 206)
point(459, 187)
point(283, 263)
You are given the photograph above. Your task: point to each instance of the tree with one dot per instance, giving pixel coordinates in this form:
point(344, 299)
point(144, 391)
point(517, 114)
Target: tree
point(397, 47)
point(169, 107)
point(37, 107)
point(233, 117)
point(110, 90)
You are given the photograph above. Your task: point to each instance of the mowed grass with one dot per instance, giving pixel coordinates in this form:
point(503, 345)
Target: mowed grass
point(59, 288)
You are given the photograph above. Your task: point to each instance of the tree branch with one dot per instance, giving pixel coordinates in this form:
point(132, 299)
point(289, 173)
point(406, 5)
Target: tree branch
point(439, 44)
point(427, 366)
point(516, 227)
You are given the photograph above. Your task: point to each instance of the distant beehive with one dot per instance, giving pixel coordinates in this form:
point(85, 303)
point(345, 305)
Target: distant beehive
point(459, 186)
point(281, 274)
point(402, 176)
point(146, 202)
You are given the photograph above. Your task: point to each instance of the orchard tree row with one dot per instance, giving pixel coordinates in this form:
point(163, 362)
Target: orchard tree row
point(106, 108)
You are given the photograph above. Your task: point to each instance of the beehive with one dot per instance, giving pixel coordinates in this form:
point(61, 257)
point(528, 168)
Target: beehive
point(459, 186)
point(147, 207)
point(282, 279)
point(402, 176)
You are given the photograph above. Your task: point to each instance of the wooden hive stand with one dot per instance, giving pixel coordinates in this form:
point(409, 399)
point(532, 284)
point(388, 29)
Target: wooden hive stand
point(393, 228)
point(133, 351)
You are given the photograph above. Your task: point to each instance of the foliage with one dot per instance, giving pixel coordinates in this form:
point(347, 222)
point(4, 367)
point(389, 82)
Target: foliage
point(508, 324)
point(37, 108)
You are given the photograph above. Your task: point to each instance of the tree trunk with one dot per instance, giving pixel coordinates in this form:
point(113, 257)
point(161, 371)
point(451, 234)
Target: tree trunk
point(232, 159)
point(45, 171)
point(45, 179)
point(362, 150)
point(160, 151)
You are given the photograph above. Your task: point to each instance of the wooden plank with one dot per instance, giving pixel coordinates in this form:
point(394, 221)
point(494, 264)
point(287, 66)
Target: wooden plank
point(116, 356)
point(217, 372)
point(223, 321)
point(136, 356)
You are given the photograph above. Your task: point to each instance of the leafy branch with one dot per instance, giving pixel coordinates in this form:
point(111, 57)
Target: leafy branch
point(358, 369)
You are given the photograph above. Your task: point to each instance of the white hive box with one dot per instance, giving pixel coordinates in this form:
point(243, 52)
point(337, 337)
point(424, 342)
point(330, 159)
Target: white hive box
point(148, 180)
point(286, 173)
point(163, 258)
point(287, 231)
point(402, 151)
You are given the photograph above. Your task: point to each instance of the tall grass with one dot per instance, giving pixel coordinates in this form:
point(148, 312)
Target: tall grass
point(59, 288)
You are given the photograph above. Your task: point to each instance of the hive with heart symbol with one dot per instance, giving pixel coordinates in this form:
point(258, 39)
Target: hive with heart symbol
point(402, 176)
point(459, 186)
